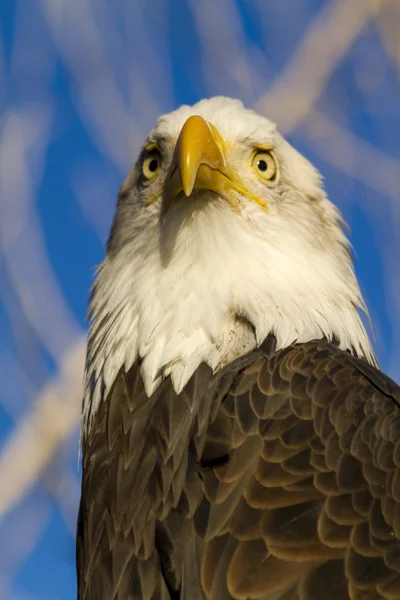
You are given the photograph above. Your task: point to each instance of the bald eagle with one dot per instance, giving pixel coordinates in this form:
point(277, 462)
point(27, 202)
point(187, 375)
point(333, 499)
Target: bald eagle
point(238, 439)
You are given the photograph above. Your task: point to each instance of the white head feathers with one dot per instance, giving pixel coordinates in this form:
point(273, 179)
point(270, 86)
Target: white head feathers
point(191, 279)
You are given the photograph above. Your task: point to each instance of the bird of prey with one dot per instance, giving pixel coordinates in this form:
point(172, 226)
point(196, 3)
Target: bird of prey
point(238, 439)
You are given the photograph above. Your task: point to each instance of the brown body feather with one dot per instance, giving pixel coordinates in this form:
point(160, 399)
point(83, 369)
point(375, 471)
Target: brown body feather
point(277, 478)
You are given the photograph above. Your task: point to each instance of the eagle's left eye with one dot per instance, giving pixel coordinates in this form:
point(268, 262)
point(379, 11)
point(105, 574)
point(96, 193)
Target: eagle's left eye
point(265, 165)
point(151, 164)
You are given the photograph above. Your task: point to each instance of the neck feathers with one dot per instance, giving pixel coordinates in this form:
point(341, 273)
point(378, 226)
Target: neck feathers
point(214, 293)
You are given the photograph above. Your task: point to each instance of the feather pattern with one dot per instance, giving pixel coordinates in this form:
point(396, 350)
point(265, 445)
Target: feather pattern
point(293, 492)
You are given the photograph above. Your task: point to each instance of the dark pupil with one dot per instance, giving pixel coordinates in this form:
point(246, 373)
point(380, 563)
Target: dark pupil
point(262, 165)
point(153, 165)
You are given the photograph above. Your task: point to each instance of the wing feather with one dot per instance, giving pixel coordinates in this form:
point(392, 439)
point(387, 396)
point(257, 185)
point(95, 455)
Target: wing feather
point(277, 478)
point(324, 492)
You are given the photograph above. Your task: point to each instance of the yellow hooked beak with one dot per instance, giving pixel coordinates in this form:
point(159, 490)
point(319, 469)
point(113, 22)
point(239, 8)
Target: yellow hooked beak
point(201, 164)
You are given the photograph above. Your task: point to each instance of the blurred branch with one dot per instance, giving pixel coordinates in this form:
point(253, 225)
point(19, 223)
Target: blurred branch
point(388, 25)
point(76, 33)
point(78, 40)
point(63, 488)
point(21, 240)
point(326, 42)
point(24, 138)
point(31, 521)
point(350, 154)
point(54, 417)
point(231, 64)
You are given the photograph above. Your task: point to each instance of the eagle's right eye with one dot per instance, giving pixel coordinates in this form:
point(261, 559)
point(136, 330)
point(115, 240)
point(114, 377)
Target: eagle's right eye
point(151, 164)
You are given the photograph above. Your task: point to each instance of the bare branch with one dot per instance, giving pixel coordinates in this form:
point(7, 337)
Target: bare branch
point(54, 417)
point(324, 45)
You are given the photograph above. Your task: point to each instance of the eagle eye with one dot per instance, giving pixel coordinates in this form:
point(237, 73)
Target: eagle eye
point(263, 162)
point(151, 164)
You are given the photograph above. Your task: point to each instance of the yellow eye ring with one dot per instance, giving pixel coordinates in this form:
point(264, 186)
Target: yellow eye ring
point(151, 164)
point(264, 163)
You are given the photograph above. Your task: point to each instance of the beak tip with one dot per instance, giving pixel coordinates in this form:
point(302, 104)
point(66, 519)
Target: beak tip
point(187, 188)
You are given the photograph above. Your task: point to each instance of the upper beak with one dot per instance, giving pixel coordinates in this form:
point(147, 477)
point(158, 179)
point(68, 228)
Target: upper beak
point(199, 155)
point(200, 163)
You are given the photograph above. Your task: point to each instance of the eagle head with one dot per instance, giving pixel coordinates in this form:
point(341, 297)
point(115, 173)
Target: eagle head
point(223, 234)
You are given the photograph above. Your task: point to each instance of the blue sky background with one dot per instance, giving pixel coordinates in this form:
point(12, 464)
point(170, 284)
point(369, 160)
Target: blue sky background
point(81, 83)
